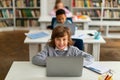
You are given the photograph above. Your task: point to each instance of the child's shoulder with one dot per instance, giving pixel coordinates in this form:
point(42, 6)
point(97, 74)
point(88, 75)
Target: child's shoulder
point(47, 46)
point(73, 48)
point(69, 21)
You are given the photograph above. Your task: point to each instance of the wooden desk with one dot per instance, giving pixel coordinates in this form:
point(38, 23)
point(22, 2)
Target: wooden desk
point(23, 70)
point(47, 19)
point(34, 43)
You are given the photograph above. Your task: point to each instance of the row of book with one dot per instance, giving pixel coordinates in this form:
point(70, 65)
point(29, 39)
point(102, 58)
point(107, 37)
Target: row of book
point(27, 3)
point(6, 3)
point(112, 3)
point(27, 13)
point(27, 23)
point(86, 3)
point(91, 13)
point(111, 14)
point(6, 13)
point(6, 23)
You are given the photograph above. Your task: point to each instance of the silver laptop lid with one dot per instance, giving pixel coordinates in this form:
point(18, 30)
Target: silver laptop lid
point(69, 66)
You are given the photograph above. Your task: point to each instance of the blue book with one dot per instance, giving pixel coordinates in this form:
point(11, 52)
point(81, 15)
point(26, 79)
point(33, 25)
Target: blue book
point(37, 35)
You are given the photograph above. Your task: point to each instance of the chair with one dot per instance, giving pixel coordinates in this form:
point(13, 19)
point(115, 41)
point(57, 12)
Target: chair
point(79, 44)
point(54, 19)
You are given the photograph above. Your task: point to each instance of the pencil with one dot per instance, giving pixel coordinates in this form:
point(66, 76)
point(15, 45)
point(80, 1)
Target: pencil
point(109, 78)
point(106, 77)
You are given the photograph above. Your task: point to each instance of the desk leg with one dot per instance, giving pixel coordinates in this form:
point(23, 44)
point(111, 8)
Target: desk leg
point(86, 47)
point(85, 25)
point(107, 31)
point(33, 49)
point(42, 46)
point(96, 51)
point(43, 25)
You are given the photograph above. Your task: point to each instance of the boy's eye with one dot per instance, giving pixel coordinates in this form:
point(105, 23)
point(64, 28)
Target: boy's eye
point(64, 39)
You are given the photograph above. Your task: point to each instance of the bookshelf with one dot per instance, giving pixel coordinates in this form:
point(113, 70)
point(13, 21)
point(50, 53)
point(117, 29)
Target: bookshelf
point(6, 14)
point(104, 13)
point(19, 14)
point(105, 10)
point(92, 8)
point(111, 10)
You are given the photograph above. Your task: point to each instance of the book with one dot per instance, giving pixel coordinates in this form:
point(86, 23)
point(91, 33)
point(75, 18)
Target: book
point(96, 67)
point(37, 35)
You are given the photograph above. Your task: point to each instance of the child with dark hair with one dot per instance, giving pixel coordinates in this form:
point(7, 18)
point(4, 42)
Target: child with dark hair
point(61, 19)
point(60, 44)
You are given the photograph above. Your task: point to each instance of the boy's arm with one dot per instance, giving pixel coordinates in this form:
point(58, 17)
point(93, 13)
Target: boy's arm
point(88, 58)
point(54, 25)
point(40, 58)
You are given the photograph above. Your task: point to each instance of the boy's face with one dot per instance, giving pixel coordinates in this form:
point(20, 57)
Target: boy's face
point(61, 18)
point(61, 42)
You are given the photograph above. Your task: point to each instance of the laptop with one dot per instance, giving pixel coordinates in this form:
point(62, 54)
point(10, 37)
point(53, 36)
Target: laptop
point(72, 27)
point(64, 66)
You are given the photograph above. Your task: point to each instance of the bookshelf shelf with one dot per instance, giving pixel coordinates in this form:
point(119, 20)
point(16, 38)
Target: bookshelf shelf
point(6, 7)
point(28, 8)
point(19, 14)
point(6, 18)
point(86, 8)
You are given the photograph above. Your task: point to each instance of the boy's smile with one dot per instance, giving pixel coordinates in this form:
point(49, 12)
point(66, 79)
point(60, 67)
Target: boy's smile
point(61, 42)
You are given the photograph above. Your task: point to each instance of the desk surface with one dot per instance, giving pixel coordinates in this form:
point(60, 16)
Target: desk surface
point(78, 32)
point(24, 70)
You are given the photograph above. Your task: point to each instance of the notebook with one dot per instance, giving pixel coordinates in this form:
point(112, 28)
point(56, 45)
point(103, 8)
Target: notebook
point(37, 35)
point(64, 66)
point(98, 68)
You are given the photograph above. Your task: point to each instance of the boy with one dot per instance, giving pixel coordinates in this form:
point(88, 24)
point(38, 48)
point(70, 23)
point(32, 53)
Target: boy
point(60, 44)
point(61, 19)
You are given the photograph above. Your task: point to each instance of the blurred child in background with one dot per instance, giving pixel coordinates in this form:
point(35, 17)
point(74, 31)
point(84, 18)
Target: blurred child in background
point(59, 5)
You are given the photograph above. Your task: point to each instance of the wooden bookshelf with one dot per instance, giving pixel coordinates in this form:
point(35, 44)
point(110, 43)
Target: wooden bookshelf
point(103, 10)
point(6, 14)
point(91, 8)
point(27, 13)
point(19, 13)
point(111, 10)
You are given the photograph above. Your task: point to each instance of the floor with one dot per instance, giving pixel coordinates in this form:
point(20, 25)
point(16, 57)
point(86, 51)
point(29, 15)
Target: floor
point(12, 48)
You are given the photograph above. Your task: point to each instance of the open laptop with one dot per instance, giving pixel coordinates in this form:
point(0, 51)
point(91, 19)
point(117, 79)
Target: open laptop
point(64, 66)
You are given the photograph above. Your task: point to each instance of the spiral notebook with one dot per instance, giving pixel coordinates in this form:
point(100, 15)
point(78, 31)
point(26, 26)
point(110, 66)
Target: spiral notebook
point(98, 68)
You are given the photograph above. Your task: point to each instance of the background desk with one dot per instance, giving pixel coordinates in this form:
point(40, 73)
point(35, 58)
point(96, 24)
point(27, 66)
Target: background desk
point(47, 19)
point(34, 43)
point(27, 71)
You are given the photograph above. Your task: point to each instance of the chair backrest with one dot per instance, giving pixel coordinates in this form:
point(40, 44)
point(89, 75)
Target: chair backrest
point(54, 19)
point(79, 43)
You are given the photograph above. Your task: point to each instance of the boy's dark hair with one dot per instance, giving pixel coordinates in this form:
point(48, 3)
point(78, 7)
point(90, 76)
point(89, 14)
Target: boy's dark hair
point(60, 11)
